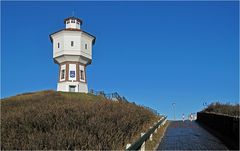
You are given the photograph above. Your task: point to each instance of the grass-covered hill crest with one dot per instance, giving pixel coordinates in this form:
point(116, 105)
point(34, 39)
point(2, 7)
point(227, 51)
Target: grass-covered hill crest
point(57, 120)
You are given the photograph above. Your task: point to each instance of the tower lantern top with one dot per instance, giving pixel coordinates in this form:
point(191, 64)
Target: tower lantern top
point(73, 22)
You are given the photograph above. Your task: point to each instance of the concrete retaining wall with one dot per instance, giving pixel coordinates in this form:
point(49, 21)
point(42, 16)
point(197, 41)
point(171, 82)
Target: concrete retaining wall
point(226, 126)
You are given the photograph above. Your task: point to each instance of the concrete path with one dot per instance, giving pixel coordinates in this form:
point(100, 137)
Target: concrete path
point(189, 135)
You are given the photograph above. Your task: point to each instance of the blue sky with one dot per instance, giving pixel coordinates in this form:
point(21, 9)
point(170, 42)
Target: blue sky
point(153, 53)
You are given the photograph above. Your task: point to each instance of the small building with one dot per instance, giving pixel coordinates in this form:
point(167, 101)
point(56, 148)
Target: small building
point(72, 51)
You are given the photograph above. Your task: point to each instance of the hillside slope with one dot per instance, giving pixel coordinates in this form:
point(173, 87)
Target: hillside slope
point(57, 120)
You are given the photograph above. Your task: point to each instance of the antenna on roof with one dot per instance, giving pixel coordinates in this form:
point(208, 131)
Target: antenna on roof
point(73, 13)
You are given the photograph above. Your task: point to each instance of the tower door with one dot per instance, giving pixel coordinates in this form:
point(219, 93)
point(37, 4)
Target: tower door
point(72, 88)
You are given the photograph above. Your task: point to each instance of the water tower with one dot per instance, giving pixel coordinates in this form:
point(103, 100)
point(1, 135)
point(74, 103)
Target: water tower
point(72, 51)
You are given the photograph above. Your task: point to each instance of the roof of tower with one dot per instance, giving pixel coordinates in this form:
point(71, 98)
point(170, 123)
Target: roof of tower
point(73, 18)
point(73, 29)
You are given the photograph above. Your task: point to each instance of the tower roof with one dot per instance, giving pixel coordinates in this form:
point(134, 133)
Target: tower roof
point(73, 18)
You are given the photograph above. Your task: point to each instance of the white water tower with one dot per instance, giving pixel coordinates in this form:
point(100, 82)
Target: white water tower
point(72, 51)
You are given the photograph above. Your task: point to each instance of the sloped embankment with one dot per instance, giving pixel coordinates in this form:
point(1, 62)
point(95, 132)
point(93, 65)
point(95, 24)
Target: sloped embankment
point(55, 120)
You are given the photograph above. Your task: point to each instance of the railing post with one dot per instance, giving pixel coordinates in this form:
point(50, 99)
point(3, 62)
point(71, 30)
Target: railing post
point(151, 137)
point(128, 145)
point(143, 144)
point(164, 121)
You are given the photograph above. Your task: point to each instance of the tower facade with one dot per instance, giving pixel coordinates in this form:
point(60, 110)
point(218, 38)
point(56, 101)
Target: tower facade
point(72, 51)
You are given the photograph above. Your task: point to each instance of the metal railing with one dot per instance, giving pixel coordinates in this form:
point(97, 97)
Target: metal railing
point(116, 97)
point(152, 110)
point(110, 96)
point(138, 144)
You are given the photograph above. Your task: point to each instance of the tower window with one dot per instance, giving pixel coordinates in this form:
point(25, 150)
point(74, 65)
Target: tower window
point(78, 23)
point(85, 46)
point(72, 21)
point(72, 43)
point(68, 22)
point(58, 45)
point(81, 75)
point(63, 74)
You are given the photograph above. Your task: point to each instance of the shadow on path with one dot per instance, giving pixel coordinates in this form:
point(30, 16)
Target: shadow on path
point(189, 135)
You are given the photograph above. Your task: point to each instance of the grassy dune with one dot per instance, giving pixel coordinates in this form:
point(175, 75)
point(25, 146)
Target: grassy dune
point(227, 109)
point(56, 120)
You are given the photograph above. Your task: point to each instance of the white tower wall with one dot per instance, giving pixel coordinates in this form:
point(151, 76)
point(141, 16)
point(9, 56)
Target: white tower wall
point(82, 44)
point(80, 87)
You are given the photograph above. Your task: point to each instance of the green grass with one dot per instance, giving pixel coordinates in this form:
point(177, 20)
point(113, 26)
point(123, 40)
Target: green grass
point(63, 121)
point(227, 109)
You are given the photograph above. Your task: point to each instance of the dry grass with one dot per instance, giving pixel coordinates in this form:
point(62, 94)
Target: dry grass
point(63, 121)
point(227, 109)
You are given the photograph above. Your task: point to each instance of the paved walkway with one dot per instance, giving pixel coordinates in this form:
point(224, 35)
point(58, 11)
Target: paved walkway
point(189, 136)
